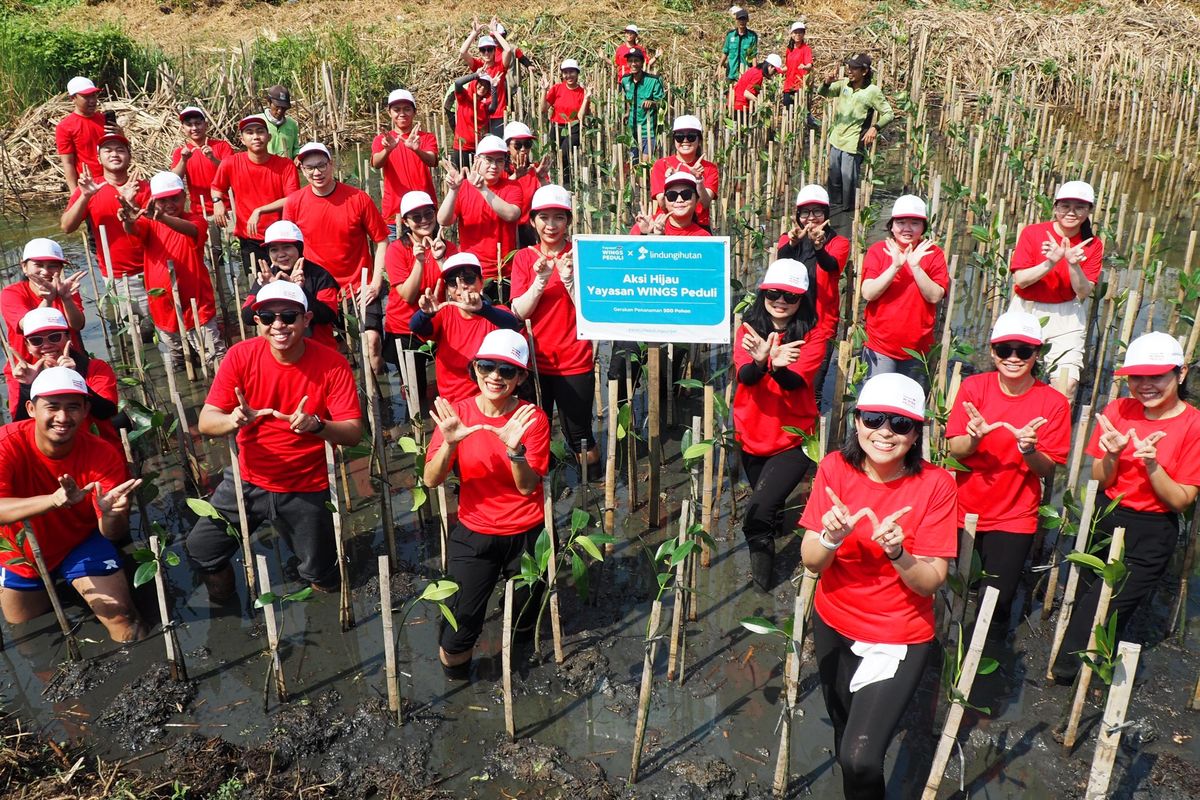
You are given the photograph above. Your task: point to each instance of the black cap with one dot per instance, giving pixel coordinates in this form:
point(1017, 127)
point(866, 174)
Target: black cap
point(635, 53)
point(859, 60)
point(280, 95)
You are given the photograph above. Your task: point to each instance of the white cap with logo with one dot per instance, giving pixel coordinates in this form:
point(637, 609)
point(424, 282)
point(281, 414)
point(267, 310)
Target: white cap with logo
point(281, 290)
point(893, 393)
point(192, 111)
point(43, 318)
point(775, 61)
point(401, 96)
point(283, 232)
point(81, 85)
point(786, 274)
point(632, 28)
point(813, 194)
point(1017, 325)
point(687, 122)
point(682, 175)
point(551, 196)
point(505, 345)
point(799, 25)
point(1076, 190)
point(517, 130)
point(313, 147)
point(42, 250)
point(487, 41)
point(461, 260)
point(165, 184)
point(414, 200)
point(909, 206)
point(569, 63)
point(57, 380)
point(492, 145)
point(1152, 354)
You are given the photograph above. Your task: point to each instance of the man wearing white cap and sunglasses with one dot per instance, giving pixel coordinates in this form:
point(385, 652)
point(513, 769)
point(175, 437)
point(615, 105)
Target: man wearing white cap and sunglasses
point(405, 154)
point(77, 135)
point(72, 488)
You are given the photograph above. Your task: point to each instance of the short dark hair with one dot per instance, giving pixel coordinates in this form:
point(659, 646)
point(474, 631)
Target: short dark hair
point(854, 454)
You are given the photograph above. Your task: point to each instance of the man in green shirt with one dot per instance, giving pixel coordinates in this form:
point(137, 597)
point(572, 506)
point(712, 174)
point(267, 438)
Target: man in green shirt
point(285, 133)
point(859, 111)
point(644, 94)
point(740, 50)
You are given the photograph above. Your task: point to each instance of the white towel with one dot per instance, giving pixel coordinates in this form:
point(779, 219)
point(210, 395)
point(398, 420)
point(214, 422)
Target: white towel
point(879, 662)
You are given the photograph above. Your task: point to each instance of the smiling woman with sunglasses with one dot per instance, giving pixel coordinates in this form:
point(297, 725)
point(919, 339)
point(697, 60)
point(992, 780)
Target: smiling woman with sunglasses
point(772, 393)
point(1010, 430)
point(500, 447)
point(689, 145)
point(879, 529)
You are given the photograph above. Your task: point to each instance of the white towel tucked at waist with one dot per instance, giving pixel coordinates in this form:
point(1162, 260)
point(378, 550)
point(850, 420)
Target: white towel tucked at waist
point(879, 662)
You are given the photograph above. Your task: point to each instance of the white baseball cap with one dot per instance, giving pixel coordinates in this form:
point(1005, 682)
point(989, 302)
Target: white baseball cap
point(414, 200)
point(313, 147)
point(687, 122)
point(165, 184)
point(813, 194)
point(569, 63)
point(517, 130)
point(487, 41)
point(492, 145)
point(551, 196)
point(281, 290)
point(401, 96)
point(283, 232)
point(893, 393)
point(252, 119)
point(42, 250)
point(57, 380)
point(81, 85)
point(799, 25)
point(632, 28)
point(500, 29)
point(1076, 190)
point(192, 111)
point(1152, 354)
point(1017, 326)
point(786, 274)
point(459, 261)
point(43, 318)
point(505, 345)
point(909, 206)
point(682, 175)
point(775, 61)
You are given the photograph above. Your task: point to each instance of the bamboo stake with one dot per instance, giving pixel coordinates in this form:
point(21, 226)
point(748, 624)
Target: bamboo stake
point(52, 592)
point(184, 344)
point(506, 661)
point(647, 688)
point(706, 507)
point(376, 422)
point(610, 466)
point(346, 607)
point(444, 526)
point(243, 522)
point(389, 640)
point(170, 640)
point(791, 675)
point(1068, 599)
point(966, 549)
point(630, 440)
point(264, 583)
point(653, 381)
point(1109, 740)
point(677, 609)
point(552, 583)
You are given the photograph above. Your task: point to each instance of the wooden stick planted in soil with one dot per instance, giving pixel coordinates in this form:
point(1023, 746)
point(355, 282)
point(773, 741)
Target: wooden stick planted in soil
point(240, 495)
point(677, 609)
point(506, 661)
point(966, 549)
point(346, 607)
point(389, 639)
point(52, 592)
point(791, 676)
point(653, 380)
point(647, 688)
point(706, 497)
point(610, 467)
point(552, 582)
point(1109, 740)
point(170, 640)
point(444, 525)
point(264, 585)
point(1068, 600)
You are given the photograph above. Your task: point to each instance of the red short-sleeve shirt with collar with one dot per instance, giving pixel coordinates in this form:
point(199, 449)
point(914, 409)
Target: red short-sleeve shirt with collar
point(254, 186)
point(999, 486)
point(480, 230)
point(200, 171)
point(762, 409)
point(25, 471)
point(126, 250)
point(793, 67)
point(488, 499)
point(458, 338)
point(404, 171)
point(557, 346)
point(752, 81)
point(270, 455)
point(860, 594)
point(19, 299)
point(163, 243)
point(564, 102)
point(399, 265)
point(901, 317)
point(339, 230)
point(79, 136)
point(1178, 453)
point(619, 58)
point(712, 180)
point(1054, 286)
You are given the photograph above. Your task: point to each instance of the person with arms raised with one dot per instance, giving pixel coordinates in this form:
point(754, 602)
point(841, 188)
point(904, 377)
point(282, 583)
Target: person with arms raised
point(43, 285)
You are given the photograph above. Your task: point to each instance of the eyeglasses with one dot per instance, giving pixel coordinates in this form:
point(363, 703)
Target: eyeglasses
point(288, 317)
point(485, 367)
point(422, 215)
point(1006, 350)
point(467, 277)
point(52, 338)
point(322, 167)
point(679, 194)
point(809, 213)
point(1078, 209)
point(780, 294)
point(900, 424)
point(680, 138)
point(522, 144)
point(495, 161)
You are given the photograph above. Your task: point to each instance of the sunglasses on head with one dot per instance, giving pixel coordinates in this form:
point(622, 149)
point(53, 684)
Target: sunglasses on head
point(687, 137)
point(900, 424)
point(37, 340)
point(679, 194)
point(288, 317)
point(523, 144)
point(780, 294)
point(485, 367)
point(1006, 350)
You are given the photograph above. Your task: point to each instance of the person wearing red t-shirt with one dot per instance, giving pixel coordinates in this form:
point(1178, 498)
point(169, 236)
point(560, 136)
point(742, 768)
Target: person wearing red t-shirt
point(406, 155)
point(43, 286)
point(496, 57)
point(285, 247)
point(530, 175)
point(174, 245)
point(487, 205)
point(285, 396)
point(688, 133)
point(77, 135)
point(458, 324)
point(750, 83)
point(798, 61)
point(566, 104)
point(620, 63)
point(773, 394)
point(1146, 451)
point(474, 100)
point(813, 242)
point(71, 488)
point(1009, 430)
point(879, 530)
point(250, 184)
point(904, 277)
point(197, 159)
point(544, 293)
point(500, 447)
point(1055, 267)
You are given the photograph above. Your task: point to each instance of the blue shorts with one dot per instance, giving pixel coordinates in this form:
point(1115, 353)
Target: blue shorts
point(93, 557)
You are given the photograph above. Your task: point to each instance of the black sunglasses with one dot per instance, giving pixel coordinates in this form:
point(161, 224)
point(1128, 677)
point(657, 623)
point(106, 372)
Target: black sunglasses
point(687, 137)
point(900, 424)
point(37, 340)
point(1005, 350)
point(485, 367)
point(288, 317)
point(522, 144)
point(422, 215)
point(679, 194)
point(778, 294)
point(487, 49)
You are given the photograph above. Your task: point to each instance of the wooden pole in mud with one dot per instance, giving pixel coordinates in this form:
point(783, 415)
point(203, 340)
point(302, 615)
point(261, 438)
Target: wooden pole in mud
point(966, 549)
point(444, 526)
point(1195, 705)
point(235, 467)
point(346, 607)
point(174, 655)
point(647, 688)
point(791, 677)
point(52, 592)
point(264, 584)
point(376, 421)
point(653, 381)
point(1080, 432)
point(389, 639)
point(677, 609)
point(630, 440)
point(1068, 600)
point(967, 678)
point(506, 661)
point(1109, 740)
point(706, 498)
point(91, 271)
point(552, 584)
point(184, 344)
point(610, 468)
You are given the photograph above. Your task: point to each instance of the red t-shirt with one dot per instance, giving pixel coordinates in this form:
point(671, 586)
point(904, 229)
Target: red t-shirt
point(1178, 452)
point(18, 300)
point(470, 117)
point(200, 171)
point(565, 102)
point(1001, 488)
point(752, 80)
point(254, 186)
point(712, 180)
point(163, 243)
point(619, 59)
point(760, 410)
point(339, 230)
point(901, 317)
point(25, 471)
point(558, 348)
point(529, 184)
point(793, 73)
point(100, 378)
point(404, 171)
point(126, 251)
point(488, 499)
point(270, 455)
point(670, 230)
point(828, 301)
point(79, 136)
point(480, 230)
point(458, 339)
point(860, 594)
point(1054, 286)
point(500, 79)
point(399, 265)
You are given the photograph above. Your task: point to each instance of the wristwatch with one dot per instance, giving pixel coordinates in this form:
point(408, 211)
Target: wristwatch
point(320, 426)
point(519, 456)
point(1025, 452)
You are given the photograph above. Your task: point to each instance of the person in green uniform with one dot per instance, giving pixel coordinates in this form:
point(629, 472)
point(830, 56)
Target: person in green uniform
point(644, 94)
point(740, 50)
point(285, 133)
point(860, 111)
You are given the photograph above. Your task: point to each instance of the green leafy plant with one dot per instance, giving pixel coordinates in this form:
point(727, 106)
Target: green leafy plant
point(1105, 659)
point(147, 564)
point(952, 666)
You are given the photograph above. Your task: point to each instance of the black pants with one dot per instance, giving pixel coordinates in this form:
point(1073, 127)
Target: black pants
point(411, 343)
point(1002, 556)
point(773, 479)
point(865, 721)
point(301, 518)
point(1150, 540)
point(476, 561)
point(568, 139)
point(631, 352)
point(574, 396)
point(252, 247)
point(822, 372)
